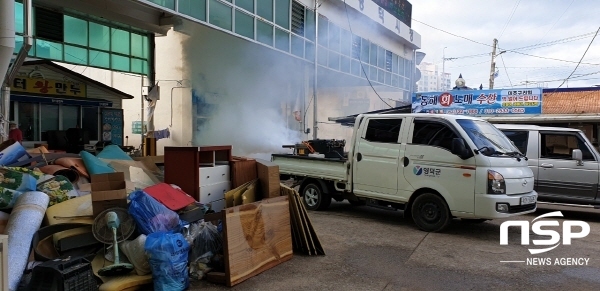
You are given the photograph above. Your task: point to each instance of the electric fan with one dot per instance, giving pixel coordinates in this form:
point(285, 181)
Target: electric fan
point(113, 226)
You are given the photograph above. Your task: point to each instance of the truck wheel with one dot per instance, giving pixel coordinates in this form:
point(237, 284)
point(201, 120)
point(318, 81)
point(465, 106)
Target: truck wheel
point(430, 212)
point(314, 198)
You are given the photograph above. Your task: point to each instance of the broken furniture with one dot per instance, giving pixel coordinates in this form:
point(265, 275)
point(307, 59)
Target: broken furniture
point(202, 172)
point(256, 237)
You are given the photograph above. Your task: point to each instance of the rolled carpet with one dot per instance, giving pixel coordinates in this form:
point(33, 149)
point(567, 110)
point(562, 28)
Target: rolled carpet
point(25, 219)
point(56, 170)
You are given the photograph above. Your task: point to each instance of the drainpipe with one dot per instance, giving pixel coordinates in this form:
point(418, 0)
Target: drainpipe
point(315, 122)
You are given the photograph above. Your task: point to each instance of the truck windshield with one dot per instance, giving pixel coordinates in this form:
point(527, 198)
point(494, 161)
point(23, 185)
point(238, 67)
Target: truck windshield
point(488, 139)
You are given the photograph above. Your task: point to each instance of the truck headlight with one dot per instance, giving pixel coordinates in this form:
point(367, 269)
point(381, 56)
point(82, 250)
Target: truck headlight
point(496, 183)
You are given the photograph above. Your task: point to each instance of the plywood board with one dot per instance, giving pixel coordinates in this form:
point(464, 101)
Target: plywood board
point(305, 237)
point(268, 175)
point(258, 237)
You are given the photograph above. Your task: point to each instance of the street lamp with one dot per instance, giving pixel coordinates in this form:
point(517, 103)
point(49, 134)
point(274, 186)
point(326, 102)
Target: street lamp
point(443, 66)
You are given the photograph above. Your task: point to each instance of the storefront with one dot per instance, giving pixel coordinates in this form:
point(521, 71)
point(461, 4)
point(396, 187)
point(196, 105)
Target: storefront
point(47, 99)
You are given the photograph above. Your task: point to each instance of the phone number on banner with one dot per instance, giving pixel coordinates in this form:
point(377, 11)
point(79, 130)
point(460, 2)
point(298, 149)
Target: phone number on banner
point(482, 111)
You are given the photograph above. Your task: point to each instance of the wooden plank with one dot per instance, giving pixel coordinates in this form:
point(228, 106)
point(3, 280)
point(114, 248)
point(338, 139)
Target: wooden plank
point(268, 175)
point(306, 226)
point(305, 246)
point(258, 237)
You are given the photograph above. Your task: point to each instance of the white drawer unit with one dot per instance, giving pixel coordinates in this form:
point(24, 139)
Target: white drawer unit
point(218, 205)
point(214, 175)
point(210, 193)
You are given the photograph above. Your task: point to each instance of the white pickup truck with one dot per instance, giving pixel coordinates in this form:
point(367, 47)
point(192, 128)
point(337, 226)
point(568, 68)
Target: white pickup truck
point(434, 167)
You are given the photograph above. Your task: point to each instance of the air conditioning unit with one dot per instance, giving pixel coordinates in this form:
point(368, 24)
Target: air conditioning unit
point(3, 262)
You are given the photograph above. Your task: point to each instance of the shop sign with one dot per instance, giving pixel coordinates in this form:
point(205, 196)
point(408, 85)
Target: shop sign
point(48, 87)
point(479, 102)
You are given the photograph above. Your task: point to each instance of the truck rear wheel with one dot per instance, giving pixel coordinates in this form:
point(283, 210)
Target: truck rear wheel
point(430, 212)
point(314, 198)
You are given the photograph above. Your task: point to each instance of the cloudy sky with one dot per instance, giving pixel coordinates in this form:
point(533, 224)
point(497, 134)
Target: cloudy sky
point(544, 40)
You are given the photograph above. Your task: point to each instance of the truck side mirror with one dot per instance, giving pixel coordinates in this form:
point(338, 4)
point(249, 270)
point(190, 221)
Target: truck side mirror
point(459, 148)
point(577, 155)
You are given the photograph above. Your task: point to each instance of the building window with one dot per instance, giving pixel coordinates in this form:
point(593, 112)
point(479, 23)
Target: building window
point(29, 120)
point(282, 13)
point(197, 8)
point(90, 121)
point(50, 114)
point(265, 9)
point(244, 24)
point(70, 117)
point(220, 15)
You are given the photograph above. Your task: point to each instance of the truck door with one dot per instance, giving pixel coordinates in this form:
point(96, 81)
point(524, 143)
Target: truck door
point(561, 178)
point(376, 158)
point(430, 164)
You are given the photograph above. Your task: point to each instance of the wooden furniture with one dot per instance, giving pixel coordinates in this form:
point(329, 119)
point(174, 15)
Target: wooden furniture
point(242, 170)
point(268, 174)
point(202, 172)
point(256, 237)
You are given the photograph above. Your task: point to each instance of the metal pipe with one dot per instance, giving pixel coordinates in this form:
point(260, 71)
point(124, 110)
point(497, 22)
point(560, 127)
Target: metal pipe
point(315, 122)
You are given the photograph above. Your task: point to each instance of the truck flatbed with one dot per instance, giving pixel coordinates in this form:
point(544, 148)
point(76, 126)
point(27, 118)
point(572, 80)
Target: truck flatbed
point(316, 167)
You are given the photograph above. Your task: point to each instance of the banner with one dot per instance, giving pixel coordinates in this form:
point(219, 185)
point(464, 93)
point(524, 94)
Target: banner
point(479, 102)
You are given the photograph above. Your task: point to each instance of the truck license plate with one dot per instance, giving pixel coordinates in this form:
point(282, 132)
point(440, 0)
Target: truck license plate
point(528, 200)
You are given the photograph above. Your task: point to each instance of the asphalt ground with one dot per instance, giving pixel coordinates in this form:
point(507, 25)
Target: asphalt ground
point(374, 249)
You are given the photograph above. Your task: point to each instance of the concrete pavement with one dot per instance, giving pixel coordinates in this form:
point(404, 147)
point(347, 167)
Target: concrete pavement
point(374, 249)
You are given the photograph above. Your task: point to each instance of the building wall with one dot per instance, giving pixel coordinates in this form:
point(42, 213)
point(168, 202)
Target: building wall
point(433, 79)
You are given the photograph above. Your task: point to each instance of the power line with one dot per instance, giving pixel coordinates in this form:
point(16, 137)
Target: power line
point(555, 22)
point(583, 56)
point(509, 18)
point(507, 50)
point(505, 70)
point(360, 61)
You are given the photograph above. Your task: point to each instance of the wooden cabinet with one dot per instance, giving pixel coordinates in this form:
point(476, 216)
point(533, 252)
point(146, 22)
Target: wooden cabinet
point(192, 168)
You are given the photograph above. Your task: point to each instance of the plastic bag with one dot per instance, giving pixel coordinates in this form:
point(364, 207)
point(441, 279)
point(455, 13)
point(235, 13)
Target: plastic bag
point(134, 251)
point(168, 256)
point(208, 239)
point(150, 215)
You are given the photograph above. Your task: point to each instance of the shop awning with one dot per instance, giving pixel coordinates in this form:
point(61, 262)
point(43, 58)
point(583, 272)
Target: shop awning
point(62, 100)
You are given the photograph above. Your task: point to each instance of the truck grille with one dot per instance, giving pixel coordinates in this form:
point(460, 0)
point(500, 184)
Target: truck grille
point(521, 208)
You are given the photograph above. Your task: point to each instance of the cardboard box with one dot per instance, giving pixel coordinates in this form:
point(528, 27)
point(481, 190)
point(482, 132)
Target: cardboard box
point(108, 190)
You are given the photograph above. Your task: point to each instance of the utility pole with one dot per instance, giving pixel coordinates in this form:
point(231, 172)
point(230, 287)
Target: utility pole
point(493, 66)
point(444, 68)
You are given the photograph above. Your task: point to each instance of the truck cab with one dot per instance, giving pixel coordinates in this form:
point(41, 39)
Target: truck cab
point(563, 160)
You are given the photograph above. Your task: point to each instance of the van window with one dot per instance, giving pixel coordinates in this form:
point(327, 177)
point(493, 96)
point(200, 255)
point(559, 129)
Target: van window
point(433, 134)
point(383, 130)
point(519, 138)
point(561, 146)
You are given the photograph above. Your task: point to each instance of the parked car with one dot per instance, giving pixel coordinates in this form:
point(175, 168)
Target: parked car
point(564, 162)
point(435, 167)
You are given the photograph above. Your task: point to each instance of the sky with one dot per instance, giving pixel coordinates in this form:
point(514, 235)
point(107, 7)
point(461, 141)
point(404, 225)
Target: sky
point(553, 33)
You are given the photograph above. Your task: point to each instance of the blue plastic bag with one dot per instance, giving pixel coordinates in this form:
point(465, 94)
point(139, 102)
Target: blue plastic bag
point(150, 215)
point(167, 254)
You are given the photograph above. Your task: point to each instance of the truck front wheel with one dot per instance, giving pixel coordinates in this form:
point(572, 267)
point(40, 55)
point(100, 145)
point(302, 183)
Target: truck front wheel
point(314, 198)
point(430, 212)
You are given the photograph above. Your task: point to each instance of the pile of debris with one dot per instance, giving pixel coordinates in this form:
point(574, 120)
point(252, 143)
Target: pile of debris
point(108, 221)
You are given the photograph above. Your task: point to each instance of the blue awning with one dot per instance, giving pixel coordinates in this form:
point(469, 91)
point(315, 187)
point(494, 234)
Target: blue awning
point(62, 100)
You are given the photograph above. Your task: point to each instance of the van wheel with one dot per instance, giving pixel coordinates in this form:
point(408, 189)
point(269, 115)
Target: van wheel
point(314, 198)
point(430, 212)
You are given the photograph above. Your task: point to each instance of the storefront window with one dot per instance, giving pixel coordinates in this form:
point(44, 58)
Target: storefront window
point(70, 117)
point(50, 118)
point(29, 121)
point(90, 121)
